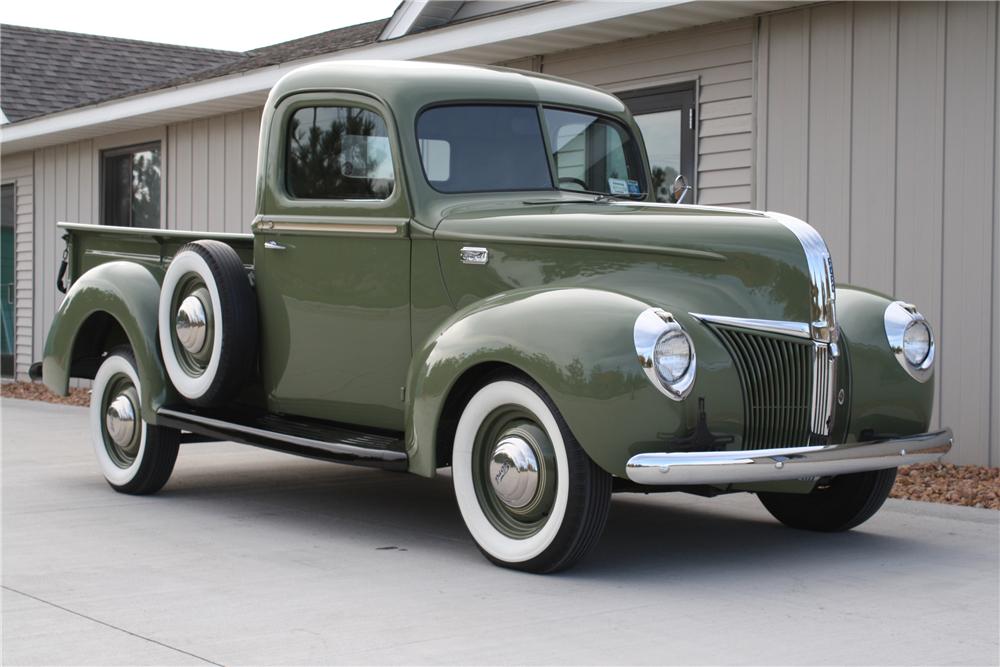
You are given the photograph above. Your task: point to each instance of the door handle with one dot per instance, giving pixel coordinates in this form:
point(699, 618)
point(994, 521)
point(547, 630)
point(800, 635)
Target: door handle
point(471, 255)
point(274, 245)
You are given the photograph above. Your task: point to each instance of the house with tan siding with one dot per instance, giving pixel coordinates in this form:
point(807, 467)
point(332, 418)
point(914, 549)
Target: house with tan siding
point(878, 123)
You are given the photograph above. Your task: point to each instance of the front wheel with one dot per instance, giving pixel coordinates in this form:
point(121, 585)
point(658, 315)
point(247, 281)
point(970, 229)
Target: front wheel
point(135, 457)
point(843, 503)
point(530, 496)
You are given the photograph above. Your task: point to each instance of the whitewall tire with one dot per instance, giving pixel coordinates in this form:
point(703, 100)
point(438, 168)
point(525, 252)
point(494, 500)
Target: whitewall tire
point(134, 456)
point(530, 496)
point(207, 323)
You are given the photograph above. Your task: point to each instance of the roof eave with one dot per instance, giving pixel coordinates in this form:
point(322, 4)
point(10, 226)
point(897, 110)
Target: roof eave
point(535, 30)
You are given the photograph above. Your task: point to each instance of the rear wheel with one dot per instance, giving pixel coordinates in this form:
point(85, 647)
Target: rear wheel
point(207, 323)
point(135, 457)
point(847, 501)
point(530, 496)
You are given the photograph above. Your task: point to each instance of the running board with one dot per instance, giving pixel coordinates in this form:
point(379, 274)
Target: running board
point(311, 438)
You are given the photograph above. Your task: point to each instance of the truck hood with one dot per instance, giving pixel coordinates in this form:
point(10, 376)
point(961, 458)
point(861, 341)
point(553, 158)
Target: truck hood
point(709, 260)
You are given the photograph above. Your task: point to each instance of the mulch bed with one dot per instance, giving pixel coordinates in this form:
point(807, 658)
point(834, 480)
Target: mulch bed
point(36, 391)
point(973, 486)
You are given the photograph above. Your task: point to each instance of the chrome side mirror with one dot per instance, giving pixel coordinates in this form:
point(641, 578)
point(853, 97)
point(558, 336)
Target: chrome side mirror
point(680, 189)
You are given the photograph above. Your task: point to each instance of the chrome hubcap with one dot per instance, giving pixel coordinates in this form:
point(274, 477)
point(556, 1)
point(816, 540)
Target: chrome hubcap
point(192, 324)
point(120, 420)
point(514, 472)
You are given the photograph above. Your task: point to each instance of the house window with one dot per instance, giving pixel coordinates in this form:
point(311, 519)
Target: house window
point(666, 117)
point(338, 153)
point(130, 194)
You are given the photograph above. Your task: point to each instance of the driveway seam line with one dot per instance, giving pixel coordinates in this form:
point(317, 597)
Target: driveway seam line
point(113, 627)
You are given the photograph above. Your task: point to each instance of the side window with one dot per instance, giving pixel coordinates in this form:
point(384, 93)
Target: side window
point(338, 153)
point(592, 153)
point(130, 186)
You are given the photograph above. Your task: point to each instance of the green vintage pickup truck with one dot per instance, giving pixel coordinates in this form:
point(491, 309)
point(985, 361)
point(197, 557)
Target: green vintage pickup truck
point(465, 267)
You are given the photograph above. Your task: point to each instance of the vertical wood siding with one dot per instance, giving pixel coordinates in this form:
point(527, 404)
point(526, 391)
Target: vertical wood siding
point(209, 167)
point(65, 189)
point(878, 124)
point(211, 172)
point(719, 57)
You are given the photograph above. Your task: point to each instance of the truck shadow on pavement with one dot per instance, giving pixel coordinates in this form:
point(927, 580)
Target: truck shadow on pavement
point(672, 535)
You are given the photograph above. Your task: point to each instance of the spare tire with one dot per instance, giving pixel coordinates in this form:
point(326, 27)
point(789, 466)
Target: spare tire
point(207, 323)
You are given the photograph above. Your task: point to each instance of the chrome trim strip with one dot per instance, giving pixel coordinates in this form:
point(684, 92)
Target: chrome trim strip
point(337, 228)
point(116, 254)
point(898, 316)
point(823, 325)
point(823, 388)
point(769, 465)
point(797, 329)
point(824, 297)
point(326, 224)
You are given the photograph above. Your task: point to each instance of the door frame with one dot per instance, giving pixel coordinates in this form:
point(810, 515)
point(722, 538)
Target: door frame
point(13, 285)
point(684, 96)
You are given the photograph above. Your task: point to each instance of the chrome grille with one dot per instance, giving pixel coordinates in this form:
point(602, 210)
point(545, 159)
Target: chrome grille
point(822, 388)
point(776, 379)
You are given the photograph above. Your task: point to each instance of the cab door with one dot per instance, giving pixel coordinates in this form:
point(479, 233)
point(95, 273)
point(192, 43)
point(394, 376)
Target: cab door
point(332, 262)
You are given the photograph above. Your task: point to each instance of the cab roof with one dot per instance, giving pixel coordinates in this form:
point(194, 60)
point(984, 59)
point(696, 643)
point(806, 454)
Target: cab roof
point(404, 84)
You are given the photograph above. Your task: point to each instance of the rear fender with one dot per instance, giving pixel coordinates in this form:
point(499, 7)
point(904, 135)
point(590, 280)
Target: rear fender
point(127, 292)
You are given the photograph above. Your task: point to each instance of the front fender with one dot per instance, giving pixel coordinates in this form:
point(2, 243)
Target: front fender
point(577, 344)
point(884, 399)
point(127, 292)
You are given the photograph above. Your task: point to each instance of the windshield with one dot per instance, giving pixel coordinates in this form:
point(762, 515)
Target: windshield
point(492, 148)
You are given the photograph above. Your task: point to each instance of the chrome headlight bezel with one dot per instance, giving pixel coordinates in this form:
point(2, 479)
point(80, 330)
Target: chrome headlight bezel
point(652, 325)
point(899, 317)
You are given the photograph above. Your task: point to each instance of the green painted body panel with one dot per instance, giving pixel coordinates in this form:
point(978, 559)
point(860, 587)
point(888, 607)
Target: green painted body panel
point(336, 342)
point(129, 293)
point(577, 344)
point(885, 400)
point(369, 317)
point(335, 304)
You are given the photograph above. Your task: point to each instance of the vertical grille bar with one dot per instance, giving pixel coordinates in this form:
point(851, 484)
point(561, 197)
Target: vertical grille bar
point(822, 390)
point(781, 379)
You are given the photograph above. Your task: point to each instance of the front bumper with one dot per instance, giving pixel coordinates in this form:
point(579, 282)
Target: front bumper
point(770, 465)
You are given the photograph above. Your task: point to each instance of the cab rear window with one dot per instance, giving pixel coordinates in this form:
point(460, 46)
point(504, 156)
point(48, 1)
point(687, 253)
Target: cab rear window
point(338, 153)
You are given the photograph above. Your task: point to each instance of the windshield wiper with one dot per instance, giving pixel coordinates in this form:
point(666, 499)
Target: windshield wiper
point(607, 196)
point(593, 198)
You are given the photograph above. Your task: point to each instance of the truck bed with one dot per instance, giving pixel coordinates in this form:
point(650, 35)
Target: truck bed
point(92, 245)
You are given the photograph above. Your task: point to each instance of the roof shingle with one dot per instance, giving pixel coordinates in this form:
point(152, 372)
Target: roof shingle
point(44, 71)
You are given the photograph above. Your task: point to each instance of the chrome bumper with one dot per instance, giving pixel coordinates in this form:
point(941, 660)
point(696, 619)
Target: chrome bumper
point(769, 465)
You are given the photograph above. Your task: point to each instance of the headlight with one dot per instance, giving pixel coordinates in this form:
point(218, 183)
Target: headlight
point(665, 352)
point(916, 342)
point(672, 356)
point(910, 338)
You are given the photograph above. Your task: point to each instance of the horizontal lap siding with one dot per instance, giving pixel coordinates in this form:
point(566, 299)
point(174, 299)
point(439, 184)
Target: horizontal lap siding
point(720, 58)
point(878, 124)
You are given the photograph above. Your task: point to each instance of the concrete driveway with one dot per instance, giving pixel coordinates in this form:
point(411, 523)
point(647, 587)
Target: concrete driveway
point(249, 556)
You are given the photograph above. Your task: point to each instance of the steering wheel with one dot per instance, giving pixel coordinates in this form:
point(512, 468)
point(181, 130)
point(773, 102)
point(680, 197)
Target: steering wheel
point(575, 181)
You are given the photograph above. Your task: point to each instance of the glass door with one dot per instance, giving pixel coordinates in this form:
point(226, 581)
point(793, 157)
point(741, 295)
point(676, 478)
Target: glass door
point(666, 116)
point(7, 280)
